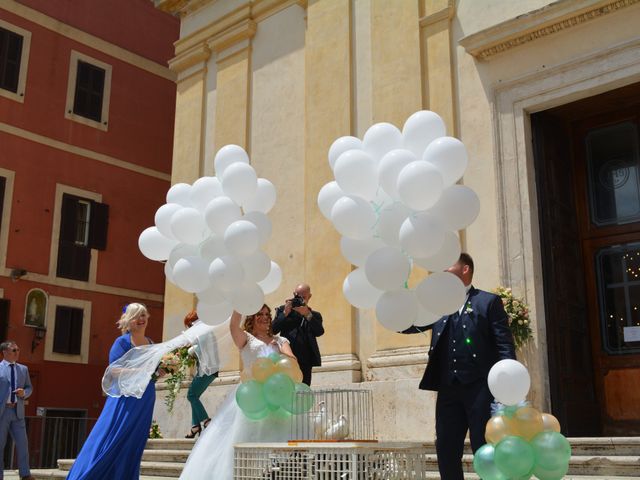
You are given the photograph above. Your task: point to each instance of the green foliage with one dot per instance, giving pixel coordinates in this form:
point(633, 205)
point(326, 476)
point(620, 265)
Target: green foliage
point(154, 431)
point(518, 313)
point(177, 365)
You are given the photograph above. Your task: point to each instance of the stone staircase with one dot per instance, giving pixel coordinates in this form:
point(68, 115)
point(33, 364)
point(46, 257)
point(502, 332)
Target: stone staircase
point(593, 459)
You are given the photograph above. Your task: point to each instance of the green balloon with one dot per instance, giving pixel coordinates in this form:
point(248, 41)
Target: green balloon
point(278, 389)
point(552, 450)
point(274, 357)
point(250, 397)
point(301, 400)
point(514, 456)
point(257, 416)
point(484, 465)
point(557, 474)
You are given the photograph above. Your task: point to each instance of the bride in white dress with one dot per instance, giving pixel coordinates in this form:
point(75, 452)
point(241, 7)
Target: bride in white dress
point(212, 455)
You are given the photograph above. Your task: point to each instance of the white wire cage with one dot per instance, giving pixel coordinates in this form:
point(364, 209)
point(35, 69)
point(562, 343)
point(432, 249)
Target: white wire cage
point(334, 415)
point(331, 461)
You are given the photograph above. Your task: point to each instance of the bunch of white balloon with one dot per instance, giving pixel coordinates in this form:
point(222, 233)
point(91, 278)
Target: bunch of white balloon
point(396, 203)
point(210, 234)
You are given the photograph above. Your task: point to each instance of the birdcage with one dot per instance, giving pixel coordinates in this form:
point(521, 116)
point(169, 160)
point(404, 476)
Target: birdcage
point(333, 415)
point(331, 461)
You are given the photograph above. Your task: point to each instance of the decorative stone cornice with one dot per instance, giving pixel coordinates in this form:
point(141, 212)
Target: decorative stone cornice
point(188, 58)
point(398, 357)
point(180, 7)
point(553, 18)
point(339, 362)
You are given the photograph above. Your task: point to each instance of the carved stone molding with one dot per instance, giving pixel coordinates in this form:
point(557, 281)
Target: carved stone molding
point(398, 357)
point(553, 18)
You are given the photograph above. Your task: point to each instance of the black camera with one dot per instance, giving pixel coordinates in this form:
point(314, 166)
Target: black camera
point(297, 301)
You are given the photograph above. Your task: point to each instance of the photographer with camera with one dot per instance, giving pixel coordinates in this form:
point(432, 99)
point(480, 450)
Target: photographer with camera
point(301, 325)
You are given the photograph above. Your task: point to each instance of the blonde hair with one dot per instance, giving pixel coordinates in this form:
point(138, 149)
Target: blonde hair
point(133, 311)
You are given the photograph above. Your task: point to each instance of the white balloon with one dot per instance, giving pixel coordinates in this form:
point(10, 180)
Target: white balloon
point(421, 129)
point(380, 139)
point(458, 207)
point(357, 251)
point(191, 274)
point(397, 310)
point(341, 145)
point(353, 217)
point(168, 272)
point(214, 314)
point(182, 250)
point(421, 235)
point(154, 245)
point(390, 221)
point(247, 299)
point(425, 317)
point(446, 256)
point(203, 191)
point(241, 238)
point(357, 174)
point(387, 268)
point(211, 296)
point(419, 185)
point(273, 280)
point(188, 226)
point(509, 381)
point(264, 199)
point(262, 222)
point(213, 247)
point(449, 156)
point(240, 182)
point(390, 167)
point(179, 193)
point(381, 199)
point(220, 213)
point(327, 197)
point(358, 291)
point(226, 273)
point(256, 266)
point(228, 155)
point(163, 216)
point(441, 293)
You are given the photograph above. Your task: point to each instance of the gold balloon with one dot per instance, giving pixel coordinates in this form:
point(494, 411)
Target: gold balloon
point(498, 427)
point(262, 369)
point(528, 421)
point(550, 423)
point(289, 367)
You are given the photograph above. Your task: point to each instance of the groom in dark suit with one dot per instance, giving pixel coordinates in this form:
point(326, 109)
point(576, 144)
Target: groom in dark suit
point(464, 347)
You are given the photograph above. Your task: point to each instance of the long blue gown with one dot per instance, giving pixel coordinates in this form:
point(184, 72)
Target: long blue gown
point(114, 447)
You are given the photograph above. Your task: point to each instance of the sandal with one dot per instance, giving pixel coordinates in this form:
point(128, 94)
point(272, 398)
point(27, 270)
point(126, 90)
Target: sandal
point(206, 423)
point(195, 430)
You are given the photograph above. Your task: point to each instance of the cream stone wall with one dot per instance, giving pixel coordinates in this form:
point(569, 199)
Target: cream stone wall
point(285, 78)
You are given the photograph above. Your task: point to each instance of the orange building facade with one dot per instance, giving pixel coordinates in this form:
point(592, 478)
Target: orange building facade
point(86, 136)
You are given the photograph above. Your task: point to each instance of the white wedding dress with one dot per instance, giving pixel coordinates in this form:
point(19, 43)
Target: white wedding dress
point(212, 455)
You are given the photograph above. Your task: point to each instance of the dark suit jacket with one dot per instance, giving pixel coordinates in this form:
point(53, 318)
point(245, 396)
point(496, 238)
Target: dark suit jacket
point(303, 339)
point(487, 338)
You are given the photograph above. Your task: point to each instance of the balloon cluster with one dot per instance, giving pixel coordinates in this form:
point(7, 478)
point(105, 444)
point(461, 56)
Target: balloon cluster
point(396, 203)
point(522, 442)
point(271, 386)
point(210, 234)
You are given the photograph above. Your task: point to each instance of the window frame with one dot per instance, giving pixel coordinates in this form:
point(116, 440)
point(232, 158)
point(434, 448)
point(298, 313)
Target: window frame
point(69, 113)
point(19, 95)
point(5, 214)
point(49, 354)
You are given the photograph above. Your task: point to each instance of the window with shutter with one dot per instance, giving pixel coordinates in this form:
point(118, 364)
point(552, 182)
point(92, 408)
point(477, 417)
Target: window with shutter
point(89, 91)
point(10, 59)
point(67, 335)
point(83, 226)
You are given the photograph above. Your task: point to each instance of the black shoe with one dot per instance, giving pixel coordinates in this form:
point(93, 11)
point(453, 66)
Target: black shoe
point(206, 423)
point(195, 430)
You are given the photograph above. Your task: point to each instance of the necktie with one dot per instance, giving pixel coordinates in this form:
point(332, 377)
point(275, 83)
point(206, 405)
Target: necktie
point(13, 383)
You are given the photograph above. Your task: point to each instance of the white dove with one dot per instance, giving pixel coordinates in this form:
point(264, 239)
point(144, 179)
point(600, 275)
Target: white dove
point(339, 430)
point(319, 419)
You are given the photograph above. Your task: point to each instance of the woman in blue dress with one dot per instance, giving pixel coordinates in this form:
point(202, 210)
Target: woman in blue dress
point(114, 448)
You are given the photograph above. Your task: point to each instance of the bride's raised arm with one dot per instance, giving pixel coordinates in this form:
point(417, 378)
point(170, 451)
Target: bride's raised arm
point(239, 336)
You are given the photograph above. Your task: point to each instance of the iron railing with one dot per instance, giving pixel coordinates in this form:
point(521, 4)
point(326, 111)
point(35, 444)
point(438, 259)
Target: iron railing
point(50, 438)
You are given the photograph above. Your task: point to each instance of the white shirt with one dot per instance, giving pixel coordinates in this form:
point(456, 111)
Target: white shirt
point(4, 362)
point(466, 299)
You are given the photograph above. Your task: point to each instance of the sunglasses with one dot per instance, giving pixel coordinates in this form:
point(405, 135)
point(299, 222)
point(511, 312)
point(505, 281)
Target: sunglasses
point(14, 350)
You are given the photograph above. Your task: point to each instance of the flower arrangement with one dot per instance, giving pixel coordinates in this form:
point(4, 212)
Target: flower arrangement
point(177, 365)
point(518, 313)
point(154, 431)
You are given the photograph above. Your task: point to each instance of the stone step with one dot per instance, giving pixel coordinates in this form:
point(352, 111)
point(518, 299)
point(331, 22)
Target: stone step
point(50, 474)
point(172, 456)
point(170, 444)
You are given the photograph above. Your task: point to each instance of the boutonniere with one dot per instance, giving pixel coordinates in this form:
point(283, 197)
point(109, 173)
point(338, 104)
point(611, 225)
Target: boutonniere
point(468, 310)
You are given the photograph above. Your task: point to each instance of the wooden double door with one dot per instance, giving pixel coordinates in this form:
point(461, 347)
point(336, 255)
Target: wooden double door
point(587, 162)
